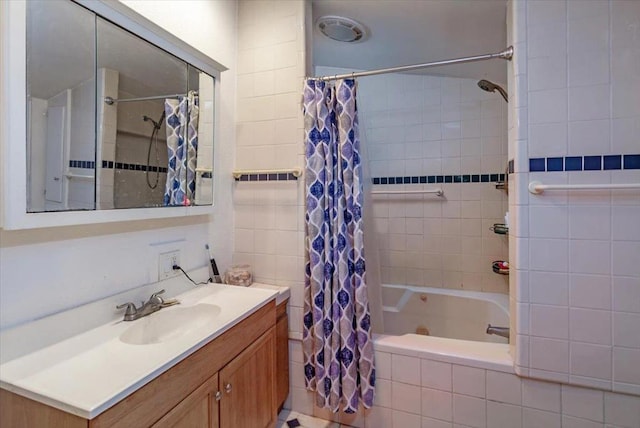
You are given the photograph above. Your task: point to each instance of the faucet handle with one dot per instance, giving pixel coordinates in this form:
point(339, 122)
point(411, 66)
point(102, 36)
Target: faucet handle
point(131, 308)
point(155, 297)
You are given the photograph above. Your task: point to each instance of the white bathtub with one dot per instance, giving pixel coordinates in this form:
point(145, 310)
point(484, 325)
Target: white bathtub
point(441, 312)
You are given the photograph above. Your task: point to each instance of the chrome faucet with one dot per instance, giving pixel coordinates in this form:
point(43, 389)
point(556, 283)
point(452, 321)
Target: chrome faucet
point(132, 313)
point(498, 331)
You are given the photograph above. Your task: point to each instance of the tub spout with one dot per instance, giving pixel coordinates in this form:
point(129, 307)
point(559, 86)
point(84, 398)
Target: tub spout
point(498, 331)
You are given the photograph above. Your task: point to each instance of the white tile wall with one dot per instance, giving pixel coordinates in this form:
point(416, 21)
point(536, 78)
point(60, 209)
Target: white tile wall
point(404, 369)
point(574, 72)
point(437, 404)
point(621, 410)
point(435, 374)
point(504, 387)
point(583, 403)
point(469, 381)
point(480, 398)
point(80, 194)
point(268, 233)
point(106, 137)
point(532, 418)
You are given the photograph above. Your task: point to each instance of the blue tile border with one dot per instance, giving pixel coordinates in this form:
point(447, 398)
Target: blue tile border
point(573, 163)
point(555, 164)
point(82, 164)
point(266, 177)
point(612, 162)
point(125, 166)
point(428, 179)
point(584, 163)
point(132, 166)
point(536, 164)
point(631, 161)
point(592, 163)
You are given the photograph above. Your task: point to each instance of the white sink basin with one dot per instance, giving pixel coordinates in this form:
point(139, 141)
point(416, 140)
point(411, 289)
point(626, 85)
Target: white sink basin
point(168, 324)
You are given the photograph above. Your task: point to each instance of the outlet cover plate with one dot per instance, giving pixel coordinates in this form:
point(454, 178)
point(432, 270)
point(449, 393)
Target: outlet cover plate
point(166, 261)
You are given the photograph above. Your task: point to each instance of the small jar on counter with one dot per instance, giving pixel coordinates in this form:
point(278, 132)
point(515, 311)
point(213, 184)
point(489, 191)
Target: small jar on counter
point(238, 275)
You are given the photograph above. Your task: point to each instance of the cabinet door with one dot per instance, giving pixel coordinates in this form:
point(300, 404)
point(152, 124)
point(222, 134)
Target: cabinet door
point(248, 386)
point(198, 410)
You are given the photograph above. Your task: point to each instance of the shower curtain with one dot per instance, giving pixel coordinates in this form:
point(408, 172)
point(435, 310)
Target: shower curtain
point(181, 113)
point(337, 344)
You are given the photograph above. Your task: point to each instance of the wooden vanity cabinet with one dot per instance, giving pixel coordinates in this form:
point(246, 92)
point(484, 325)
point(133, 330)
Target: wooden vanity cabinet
point(240, 395)
point(191, 394)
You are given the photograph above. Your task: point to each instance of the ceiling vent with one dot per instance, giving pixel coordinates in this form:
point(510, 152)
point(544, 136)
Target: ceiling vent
point(341, 29)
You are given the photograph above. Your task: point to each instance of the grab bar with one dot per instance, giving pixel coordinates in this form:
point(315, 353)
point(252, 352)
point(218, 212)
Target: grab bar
point(79, 176)
point(438, 192)
point(537, 187)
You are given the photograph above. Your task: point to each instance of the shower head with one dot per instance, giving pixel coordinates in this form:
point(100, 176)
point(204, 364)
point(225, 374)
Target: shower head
point(156, 125)
point(148, 119)
point(485, 85)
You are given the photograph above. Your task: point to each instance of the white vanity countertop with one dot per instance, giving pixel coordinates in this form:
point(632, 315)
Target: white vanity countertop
point(283, 292)
point(88, 373)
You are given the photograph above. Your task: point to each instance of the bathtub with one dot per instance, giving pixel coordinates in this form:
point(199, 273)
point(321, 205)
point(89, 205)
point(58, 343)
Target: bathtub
point(443, 313)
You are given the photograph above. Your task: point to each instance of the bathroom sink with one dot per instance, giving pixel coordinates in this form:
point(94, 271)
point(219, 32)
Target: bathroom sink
point(169, 324)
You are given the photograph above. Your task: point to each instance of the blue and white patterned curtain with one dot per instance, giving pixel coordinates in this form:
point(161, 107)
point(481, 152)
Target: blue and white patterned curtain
point(181, 113)
point(337, 344)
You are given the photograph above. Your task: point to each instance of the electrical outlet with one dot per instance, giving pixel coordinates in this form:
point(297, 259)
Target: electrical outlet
point(166, 261)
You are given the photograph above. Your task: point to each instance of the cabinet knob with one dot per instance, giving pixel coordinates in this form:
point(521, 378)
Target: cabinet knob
point(218, 395)
point(227, 388)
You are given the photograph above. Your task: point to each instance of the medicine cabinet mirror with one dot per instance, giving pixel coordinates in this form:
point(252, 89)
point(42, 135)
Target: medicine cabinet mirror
point(113, 120)
point(108, 111)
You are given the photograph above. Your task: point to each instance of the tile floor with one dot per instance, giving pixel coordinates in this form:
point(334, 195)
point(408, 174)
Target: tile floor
point(305, 421)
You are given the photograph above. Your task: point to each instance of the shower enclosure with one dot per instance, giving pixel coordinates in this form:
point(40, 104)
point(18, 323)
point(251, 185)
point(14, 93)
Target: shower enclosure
point(423, 133)
point(141, 151)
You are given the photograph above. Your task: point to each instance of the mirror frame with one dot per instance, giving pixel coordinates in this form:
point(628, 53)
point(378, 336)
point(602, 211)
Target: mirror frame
point(13, 126)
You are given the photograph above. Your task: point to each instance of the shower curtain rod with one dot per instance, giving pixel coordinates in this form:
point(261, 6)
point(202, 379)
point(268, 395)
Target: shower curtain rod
point(505, 54)
point(110, 100)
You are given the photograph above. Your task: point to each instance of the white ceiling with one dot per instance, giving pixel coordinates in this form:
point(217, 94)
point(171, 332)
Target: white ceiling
point(403, 32)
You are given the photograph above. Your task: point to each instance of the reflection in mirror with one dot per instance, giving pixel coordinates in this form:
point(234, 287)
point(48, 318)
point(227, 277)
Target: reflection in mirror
point(61, 106)
point(114, 121)
point(202, 83)
point(133, 138)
